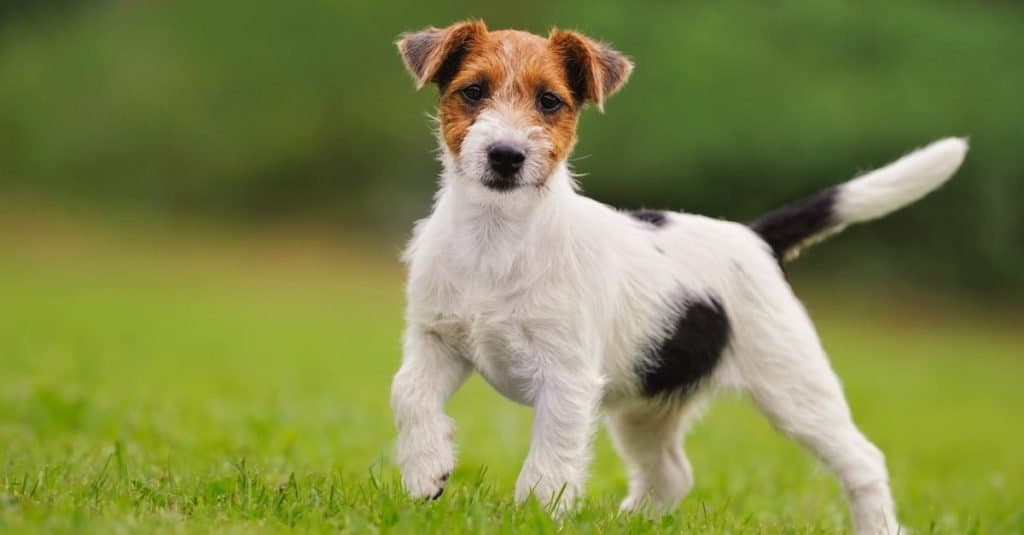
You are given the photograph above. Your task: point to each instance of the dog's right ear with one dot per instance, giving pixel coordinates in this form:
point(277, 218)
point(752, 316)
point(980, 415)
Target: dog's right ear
point(434, 54)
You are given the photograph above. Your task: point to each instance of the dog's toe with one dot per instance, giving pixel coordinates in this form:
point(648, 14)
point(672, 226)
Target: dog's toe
point(425, 487)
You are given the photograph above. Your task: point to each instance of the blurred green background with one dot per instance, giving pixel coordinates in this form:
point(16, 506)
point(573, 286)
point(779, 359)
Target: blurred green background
point(252, 112)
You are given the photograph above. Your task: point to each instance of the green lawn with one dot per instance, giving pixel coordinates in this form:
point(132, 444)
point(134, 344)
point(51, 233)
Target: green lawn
point(155, 383)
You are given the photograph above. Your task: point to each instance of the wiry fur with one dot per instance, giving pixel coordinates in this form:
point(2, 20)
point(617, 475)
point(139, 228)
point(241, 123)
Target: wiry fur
point(556, 299)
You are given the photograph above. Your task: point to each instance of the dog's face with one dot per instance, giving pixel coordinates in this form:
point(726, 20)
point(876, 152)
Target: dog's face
point(510, 100)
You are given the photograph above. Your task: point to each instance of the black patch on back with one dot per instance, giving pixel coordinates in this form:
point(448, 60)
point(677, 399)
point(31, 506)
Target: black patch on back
point(654, 217)
point(690, 352)
point(787, 227)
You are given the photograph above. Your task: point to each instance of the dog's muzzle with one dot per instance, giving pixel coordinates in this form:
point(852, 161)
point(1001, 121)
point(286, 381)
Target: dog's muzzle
point(505, 160)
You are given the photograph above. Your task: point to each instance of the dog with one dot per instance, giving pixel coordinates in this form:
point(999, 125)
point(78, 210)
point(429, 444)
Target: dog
point(577, 309)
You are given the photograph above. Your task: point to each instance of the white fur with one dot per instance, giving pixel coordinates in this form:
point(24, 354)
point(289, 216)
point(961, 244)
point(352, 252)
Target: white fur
point(553, 297)
point(900, 183)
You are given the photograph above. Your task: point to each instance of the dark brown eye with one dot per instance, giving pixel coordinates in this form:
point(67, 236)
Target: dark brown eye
point(473, 93)
point(549, 103)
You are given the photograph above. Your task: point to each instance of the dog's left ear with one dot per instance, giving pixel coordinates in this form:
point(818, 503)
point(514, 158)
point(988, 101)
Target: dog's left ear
point(595, 71)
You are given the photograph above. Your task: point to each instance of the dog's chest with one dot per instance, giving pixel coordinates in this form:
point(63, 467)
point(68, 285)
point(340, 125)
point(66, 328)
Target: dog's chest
point(505, 326)
point(508, 308)
point(502, 337)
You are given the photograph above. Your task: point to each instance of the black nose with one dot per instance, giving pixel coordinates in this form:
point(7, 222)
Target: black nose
point(505, 159)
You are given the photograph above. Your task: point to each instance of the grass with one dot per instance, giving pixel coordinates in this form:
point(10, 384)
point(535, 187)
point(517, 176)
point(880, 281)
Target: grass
point(150, 382)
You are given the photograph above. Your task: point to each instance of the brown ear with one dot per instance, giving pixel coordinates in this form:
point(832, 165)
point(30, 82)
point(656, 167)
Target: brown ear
point(434, 55)
point(595, 71)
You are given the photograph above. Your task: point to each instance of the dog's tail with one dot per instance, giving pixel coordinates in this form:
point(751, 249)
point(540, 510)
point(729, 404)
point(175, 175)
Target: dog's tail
point(792, 228)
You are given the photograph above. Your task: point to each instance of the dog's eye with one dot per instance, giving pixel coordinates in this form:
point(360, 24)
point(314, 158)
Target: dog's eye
point(549, 103)
point(473, 93)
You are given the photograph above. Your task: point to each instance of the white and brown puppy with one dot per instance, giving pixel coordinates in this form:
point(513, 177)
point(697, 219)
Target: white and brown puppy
point(575, 308)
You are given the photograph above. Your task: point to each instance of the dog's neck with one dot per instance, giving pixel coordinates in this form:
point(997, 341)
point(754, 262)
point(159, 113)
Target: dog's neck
point(499, 230)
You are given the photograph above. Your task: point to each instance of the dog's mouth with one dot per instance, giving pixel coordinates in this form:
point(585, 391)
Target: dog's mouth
point(496, 182)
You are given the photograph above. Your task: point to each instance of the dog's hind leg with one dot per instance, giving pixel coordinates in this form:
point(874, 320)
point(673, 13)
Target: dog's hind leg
point(786, 372)
point(649, 438)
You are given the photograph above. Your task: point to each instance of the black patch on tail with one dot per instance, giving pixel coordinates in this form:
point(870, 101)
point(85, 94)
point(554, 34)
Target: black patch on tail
point(654, 217)
point(790, 225)
point(690, 352)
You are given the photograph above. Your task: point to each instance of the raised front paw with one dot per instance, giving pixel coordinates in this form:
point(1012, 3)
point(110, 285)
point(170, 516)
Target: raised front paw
point(426, 460)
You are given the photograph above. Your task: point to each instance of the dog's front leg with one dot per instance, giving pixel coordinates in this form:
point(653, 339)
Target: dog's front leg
point(430, 373)
point(565, 412)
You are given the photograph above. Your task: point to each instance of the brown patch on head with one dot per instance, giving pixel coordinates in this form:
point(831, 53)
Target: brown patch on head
point(518, 74)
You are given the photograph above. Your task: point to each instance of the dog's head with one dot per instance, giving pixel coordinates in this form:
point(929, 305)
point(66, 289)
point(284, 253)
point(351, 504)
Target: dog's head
point(510, 100)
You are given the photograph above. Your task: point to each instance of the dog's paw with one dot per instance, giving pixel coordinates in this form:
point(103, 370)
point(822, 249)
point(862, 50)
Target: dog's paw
point(425, 485)
point(633, 503)
point(426, 460)
point(553, 490)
